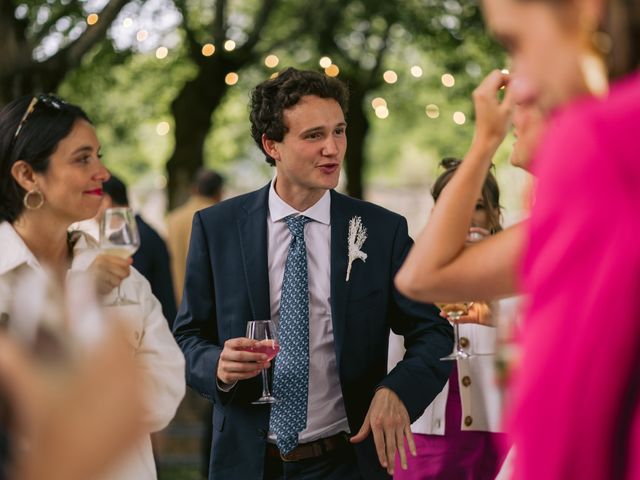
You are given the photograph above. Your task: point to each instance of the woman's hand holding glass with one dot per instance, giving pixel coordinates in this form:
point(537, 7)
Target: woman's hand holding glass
point(109, 272)
point(478, 313)
point(119, 237)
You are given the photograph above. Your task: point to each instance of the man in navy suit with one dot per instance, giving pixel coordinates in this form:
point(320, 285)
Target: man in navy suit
point(285, 253)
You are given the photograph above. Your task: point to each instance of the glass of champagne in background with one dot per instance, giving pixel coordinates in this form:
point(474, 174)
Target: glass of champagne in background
point(119, 236)
point(456, 310)
point(264, 331)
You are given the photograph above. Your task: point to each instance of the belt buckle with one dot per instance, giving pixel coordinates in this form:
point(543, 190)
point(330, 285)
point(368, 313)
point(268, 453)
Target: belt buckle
point(289, 457)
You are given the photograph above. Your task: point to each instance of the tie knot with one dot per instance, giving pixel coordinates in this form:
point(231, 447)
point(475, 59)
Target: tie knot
point(296, 224)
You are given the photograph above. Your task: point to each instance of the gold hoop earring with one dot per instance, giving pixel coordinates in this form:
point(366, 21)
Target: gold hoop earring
point(594, 73)
point(593, 65)
point(27, 203)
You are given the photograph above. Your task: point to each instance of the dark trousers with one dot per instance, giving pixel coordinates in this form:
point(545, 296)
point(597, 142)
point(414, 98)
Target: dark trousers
point(339, 464)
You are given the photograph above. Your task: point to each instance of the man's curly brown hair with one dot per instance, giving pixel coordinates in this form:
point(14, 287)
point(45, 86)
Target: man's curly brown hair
point(270, 98)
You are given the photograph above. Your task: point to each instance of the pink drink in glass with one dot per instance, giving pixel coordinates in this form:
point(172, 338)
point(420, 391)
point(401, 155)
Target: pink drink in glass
point(267, 347)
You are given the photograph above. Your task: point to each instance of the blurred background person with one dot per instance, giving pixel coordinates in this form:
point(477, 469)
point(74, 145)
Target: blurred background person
point(51, 176)
point(206, 190)
point(75, 427)
point(458, 435)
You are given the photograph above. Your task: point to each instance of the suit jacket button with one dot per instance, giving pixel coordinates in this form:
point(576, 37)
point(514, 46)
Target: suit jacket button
point(464, 342)
point(468, 420)
point(466, 380)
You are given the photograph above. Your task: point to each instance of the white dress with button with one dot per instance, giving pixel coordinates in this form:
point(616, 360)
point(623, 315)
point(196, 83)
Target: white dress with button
point(480, 395)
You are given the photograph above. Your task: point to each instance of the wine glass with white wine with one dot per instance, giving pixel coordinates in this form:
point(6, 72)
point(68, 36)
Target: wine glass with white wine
point(454, 311)
point(119, 236)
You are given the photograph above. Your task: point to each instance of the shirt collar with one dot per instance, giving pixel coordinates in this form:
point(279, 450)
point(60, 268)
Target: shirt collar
point(14, 251)
point(279, 209)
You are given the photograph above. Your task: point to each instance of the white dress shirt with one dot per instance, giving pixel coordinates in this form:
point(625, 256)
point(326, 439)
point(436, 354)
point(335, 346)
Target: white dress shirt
point(326, 414)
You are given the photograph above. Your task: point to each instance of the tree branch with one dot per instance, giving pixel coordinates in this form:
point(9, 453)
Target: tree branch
point(375, 71)
point(16, 50)
point(71, 55)
point(219, 23)
point(193, 45)
point(261, 19)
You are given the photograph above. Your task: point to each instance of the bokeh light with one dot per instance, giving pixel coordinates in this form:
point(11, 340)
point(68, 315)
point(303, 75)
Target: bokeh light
point(378, 102)
point(416, 71)
point(163, 128)
point(432, 111)
point(325, 62)
point(459, 118)
point(208, 49)
point(382, 112)
point(332, 70)
point(92, 19)
point(231, 78)
point(142, 35)
point(271, 61)
point(390, 76)
point(448, 80)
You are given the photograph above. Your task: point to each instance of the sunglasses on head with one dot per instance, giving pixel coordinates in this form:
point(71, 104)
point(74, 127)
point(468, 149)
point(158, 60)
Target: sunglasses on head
point(48, 100)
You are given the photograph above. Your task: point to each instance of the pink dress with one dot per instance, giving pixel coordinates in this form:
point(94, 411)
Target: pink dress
point(577, 398)
point(458, 454)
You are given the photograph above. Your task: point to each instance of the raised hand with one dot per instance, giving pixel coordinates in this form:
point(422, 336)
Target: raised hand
point(493, 117)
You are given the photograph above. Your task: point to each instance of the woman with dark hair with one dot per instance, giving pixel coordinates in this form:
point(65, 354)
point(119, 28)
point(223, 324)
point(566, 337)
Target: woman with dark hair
point(575, 265)
point(51, 176)
point(458, 436)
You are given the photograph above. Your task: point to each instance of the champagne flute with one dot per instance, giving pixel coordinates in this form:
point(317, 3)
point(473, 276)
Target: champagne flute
point(264, 331)
point(119, 236)
point(456, 310)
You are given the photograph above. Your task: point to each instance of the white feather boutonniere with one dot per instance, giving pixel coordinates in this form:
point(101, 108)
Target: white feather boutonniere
point(357, 237)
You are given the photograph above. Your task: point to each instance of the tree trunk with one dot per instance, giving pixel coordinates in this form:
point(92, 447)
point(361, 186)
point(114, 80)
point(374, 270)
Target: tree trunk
point(356, 136)
point(192, 110)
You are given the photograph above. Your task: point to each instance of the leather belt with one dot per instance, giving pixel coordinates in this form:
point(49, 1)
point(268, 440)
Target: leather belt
point(305, 451)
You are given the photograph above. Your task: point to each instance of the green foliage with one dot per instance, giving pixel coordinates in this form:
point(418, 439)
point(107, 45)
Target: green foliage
point(126, 95)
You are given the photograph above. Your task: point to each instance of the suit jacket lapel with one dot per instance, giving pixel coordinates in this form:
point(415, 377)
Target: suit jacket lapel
point(252, 227)
point(339, 261)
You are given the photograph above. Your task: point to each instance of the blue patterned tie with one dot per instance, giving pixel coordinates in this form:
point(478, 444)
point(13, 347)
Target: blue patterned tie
point(291, 374)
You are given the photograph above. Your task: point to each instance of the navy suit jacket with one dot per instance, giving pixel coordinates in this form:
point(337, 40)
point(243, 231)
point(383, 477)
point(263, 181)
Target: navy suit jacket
point(227, 284)
point(152, 261)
